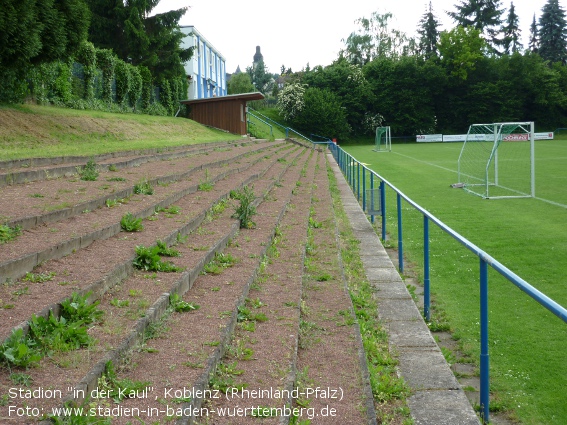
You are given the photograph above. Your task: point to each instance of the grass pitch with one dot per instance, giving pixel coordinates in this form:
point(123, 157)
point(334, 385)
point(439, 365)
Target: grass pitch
point(529, 236)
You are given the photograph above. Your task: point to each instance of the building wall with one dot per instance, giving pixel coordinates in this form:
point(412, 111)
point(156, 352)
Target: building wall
point(229, 115)
point(206, 70)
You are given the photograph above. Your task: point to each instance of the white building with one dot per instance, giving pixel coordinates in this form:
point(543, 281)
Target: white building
point(206, 70)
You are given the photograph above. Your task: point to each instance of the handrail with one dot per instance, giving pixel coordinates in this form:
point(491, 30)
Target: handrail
point(347, 163)
point(283, 127)
point(262, 121)
point(287, 129)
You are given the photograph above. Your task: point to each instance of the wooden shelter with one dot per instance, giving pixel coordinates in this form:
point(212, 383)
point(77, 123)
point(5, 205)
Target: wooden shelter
point(224, 112)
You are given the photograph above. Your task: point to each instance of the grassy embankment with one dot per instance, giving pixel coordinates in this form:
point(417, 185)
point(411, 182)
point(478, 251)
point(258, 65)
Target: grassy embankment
point(42, 131)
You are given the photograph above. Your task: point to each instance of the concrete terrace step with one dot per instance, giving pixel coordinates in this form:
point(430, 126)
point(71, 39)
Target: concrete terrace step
point(26, 221)
point(122, 269)
point(38, 169)
point(246, 276)
point(16, 267)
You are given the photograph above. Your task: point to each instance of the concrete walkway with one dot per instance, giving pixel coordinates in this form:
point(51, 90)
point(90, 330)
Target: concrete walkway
point(437, 398)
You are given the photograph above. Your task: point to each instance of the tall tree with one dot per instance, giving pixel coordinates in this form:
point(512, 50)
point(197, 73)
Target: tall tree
point(511, 30)
point(429, 33)
point(240, 83)
point(375, 39)
point(553, 32)
point(260, 76)
point(137, 37)
point(460, 49)
point(483, 15)
point(533, 44)
point(36, 31)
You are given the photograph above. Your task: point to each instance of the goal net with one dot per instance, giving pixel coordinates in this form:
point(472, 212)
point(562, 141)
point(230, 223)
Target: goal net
point(383, 139)
point(497, 160)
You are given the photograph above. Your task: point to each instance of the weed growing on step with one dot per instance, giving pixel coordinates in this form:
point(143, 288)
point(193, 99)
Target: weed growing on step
point(129, 223)
point(119, 389)
point(59, 334)
point(245, 314)
point(171, 210)
point(89, 172)
point(216, 210)
point(148, 259)
point(77, 309)
point(223, 379)
point(166, 251)
point(246, 210)
point(143, 187)
point(181, 306)
point(8, 233)
point(64, 333)
point(38, 277)
point(219, 263)
point(206, 185)
point(19, 350)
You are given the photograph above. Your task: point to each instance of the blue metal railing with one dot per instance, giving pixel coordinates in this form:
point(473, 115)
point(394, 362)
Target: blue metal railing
point(250, 114)
point(266, 118)
point(351, 168)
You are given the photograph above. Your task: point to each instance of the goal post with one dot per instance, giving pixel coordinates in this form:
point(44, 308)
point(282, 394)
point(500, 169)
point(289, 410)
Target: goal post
point(497, 160)
point(383, 139)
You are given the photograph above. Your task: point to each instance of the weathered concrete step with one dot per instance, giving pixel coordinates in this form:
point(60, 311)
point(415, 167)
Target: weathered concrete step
point(91, 379)
point(328, 308)
point(30, 221)
point(123, 269)
point(275, 340)
point(18, 267)
point(37, 169)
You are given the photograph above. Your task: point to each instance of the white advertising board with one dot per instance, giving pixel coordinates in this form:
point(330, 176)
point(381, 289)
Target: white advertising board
point(544, 136)
point(463, 137)
point(429, 138)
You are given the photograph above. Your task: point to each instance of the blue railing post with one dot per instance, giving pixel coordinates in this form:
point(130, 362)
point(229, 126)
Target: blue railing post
point(363, 188)
point(383, 207)
point(372, 190)
point(426, 285)
point(400, 239)
point(347, 166)
point(358, 181)
point(484, 356)
point(351, 171)
point(287, 132)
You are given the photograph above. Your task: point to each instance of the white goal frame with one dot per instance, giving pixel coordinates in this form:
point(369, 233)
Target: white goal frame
point(485, 167)
point(383, 139)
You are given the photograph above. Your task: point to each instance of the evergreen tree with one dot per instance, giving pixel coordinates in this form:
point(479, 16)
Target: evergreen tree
point(511, 31)
point(38, 31)
point(260, 77)
point(429, 34)
point(483, 15)
point(127, 28)
point(553, 32)
point(533, 44)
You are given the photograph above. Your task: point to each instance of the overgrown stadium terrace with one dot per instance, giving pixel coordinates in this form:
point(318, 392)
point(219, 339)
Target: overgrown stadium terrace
point(188, 297)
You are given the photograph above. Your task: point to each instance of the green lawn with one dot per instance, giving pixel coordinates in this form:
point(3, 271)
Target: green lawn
point(529, 236)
